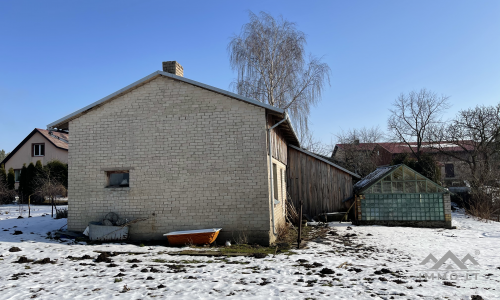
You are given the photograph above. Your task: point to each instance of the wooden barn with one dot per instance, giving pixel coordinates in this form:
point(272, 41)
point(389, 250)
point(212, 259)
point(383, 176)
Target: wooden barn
point(318, 182)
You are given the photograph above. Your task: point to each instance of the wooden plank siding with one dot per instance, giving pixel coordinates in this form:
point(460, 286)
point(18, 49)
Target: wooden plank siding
point(321, 186)
point(278, 140)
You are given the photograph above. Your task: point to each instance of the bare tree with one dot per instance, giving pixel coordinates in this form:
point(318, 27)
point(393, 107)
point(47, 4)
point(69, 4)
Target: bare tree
point(49, 187)
point(355, 149)
point(475, 132)
point(413, 116)
point(315, 145)
point(6, 194)
point(270, 60)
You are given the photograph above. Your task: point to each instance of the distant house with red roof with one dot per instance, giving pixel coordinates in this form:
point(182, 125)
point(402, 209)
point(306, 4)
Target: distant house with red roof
point(40, 144)
point(384, 153)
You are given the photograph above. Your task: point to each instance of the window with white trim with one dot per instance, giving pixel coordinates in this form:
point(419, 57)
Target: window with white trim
point(38, 150)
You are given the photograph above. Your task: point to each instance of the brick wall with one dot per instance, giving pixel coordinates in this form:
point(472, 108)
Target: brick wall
point(197, 159)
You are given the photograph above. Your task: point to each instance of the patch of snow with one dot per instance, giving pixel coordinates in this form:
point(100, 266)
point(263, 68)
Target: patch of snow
point(353, 253)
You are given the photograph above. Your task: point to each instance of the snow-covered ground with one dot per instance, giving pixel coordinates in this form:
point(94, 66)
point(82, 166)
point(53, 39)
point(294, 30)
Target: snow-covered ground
point(377, 262)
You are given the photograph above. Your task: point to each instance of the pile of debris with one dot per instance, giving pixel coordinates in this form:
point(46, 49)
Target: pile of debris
point(111, 228)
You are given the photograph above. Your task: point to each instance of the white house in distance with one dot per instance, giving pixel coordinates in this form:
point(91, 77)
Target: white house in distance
point(40, 144)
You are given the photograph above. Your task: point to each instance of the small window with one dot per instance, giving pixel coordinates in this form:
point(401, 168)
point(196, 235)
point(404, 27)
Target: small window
point(449, 170)
point(118, 179)
point(17, 174)
point(38, 150)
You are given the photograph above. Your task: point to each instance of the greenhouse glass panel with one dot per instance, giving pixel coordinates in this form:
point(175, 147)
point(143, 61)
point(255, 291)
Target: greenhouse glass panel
point(377, 188)
point(421, 187)
point(387, 178)
point(431, 188)
point(397, 174)
point(386, 187)
point(420, 177)
point(410, 187)
point(408, 174)
point(403, 207)
point(397, 187)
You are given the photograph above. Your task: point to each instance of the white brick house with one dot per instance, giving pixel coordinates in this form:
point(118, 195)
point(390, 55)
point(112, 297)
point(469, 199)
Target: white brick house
point(183, 154)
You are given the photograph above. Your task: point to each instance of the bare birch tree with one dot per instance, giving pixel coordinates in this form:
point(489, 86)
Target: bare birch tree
point(270, 60)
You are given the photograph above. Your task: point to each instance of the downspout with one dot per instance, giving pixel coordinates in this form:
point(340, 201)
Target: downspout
point(271, 167)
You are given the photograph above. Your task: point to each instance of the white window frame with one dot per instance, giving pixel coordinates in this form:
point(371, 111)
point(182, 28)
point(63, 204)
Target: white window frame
point(39, 146)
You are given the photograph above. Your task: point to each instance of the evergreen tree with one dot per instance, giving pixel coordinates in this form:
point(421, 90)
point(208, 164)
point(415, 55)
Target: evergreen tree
point(24, 182)
point(58, 171)
point(3, 175)
point(3, 154)
point(11, 179)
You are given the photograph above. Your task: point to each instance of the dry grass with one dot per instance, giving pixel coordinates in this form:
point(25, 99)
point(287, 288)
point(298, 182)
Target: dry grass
point(241, 238)
point(292, 215)
point(283, 231)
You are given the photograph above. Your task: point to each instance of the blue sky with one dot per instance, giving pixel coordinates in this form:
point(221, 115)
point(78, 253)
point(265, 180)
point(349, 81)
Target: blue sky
point(59, 56)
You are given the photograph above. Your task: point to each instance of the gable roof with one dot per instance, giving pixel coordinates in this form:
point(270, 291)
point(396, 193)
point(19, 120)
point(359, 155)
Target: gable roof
point(58, 139)
point(63, 123)
point(383, 171)
point(324, 160)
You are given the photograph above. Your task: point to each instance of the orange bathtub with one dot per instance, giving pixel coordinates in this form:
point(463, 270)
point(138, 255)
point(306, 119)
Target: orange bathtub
point(195, 237)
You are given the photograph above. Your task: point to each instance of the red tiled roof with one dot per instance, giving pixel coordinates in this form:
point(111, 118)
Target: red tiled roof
point(360, 146)
point(59, 139)
point(396, 148)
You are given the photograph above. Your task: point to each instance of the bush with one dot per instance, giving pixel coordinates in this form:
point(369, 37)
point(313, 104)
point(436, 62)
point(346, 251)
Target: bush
point(58, 171)
point(62, 213)
point(11, 179)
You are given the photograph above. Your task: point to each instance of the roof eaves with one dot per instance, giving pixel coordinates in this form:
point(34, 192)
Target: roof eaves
point(324, 160)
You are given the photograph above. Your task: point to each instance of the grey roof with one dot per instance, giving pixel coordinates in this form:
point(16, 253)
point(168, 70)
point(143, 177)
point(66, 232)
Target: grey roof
point(324, 160)
point(63, 121)
point(373, 177)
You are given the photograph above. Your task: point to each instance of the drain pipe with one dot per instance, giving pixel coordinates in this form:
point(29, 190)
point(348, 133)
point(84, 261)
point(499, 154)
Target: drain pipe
point(271, 167)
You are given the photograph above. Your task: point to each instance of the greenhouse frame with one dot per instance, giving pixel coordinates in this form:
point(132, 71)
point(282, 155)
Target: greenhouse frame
point(400, 196)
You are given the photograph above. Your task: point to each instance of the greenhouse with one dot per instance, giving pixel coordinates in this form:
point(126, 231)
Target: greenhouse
point(399, 196)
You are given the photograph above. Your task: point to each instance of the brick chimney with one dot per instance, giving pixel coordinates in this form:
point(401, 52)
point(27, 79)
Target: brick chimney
point(173, 67)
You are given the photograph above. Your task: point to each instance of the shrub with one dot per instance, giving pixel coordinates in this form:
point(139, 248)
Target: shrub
point(11, 179)
point(283, 231)
point(62, 213)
